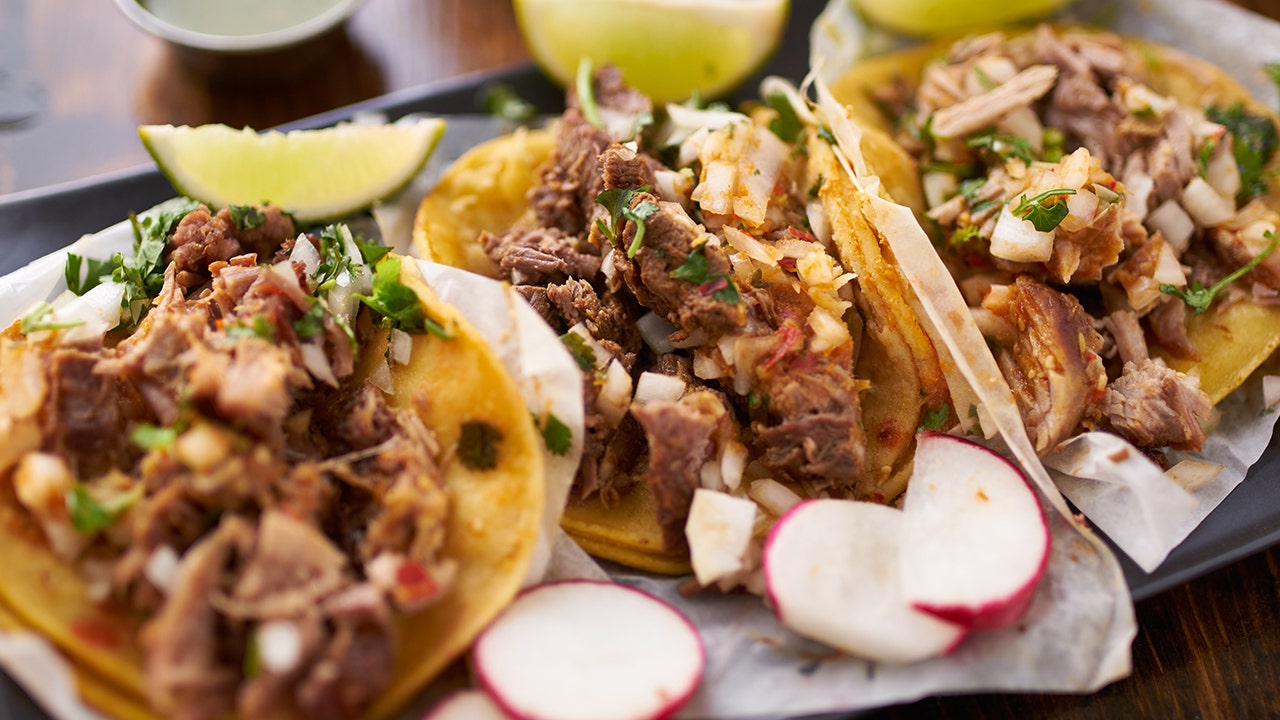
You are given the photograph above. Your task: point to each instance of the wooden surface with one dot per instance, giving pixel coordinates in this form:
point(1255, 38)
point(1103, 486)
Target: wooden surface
point(1209, 649)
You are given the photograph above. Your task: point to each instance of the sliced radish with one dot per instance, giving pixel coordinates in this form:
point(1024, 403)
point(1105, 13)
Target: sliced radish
point(586, 650)
point(466, 705)
point(831, 569)
point(975, 542)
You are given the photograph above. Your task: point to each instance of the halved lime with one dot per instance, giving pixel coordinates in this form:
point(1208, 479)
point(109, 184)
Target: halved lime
point(315, 174)
point(667, 49)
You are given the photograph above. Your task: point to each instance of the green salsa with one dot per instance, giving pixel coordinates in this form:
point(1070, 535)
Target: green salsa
point(237, 17)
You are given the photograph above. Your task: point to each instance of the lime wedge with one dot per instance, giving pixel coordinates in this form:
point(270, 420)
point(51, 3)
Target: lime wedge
point(667, 49)
point(314, 174)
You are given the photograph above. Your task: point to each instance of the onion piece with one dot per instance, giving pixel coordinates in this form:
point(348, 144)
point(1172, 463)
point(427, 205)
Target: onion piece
point(380, 377)
point(615, 393)
point(399, 346)
point(656, 387)
point(1222, 173)
point(305, 254)
point(938, 187)
point(656, 332)
point(1018, 240)
point(773, 495)
point(1168, 269)
point(161, 568)
point(1205, 205)
point(750, 246)
point(733, 461)
point(317, 363)
point(1192, 475)
point(1271, 390)
point(1171, 221)
point(279, 646)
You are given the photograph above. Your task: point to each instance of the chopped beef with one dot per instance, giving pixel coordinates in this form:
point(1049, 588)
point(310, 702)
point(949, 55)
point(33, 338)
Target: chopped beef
point(540, 255)
point(813, 434)
point(265, 238)
point(611, 93)
point(1243, 237)
point(607, 317)
point(293, 568)
point(980, 111)
point(536, 296)
point(681, 437)
point(625, 168)
point(1168, 325)
point(1153, 406)
point(358, 661)
point(1126, 331)
point(1053, 366)
point(670, 236)
point(84, 416)
point(201, 238)
point(565, 199)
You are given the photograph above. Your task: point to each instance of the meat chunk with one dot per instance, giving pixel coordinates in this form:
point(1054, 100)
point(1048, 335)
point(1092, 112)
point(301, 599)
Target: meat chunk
point(84, 416)
point(200, 239)
point(565, 199)
point(293, 568)
point(263, 236)
point(681, 438)
point(980, 111)
point(1152, 406)
point(813, 435)
point(540, 256)
point(608, 318)
point(1053, 365)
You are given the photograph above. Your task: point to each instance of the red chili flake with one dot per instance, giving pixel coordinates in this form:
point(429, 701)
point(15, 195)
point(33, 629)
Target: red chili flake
point(97, 633)
point(787, 337)
point(414, 583)
point(787, 263)
point(889, 434)
point(714, 285)
point(977, 260)
point(801, 234)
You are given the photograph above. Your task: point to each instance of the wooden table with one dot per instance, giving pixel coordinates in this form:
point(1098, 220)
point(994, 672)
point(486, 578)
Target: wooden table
point(1209, 649)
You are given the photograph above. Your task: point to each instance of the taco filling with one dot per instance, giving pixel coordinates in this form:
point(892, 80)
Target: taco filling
point(692, 267)
point(222, 468)
point(1097, 216)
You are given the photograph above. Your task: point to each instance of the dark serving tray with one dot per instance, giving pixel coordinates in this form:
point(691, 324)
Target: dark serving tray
point(36, 222)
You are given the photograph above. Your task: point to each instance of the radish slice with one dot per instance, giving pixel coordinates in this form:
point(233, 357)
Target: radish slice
point(466, 705)
point(975, 542)
point(831, 569)
point(586, 650)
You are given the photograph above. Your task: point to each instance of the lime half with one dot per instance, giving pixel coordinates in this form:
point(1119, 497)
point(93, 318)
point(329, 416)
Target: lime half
point(667, 49)
point(314, 174)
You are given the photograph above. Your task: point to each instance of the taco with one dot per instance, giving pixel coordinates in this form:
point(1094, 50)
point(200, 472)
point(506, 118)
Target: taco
point(250, 472)
point(737, 326)
point(1105, 205)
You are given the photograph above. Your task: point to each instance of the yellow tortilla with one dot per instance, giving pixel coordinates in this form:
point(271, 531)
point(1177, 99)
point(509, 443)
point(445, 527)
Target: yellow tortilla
point(1233, 340)
point(492, 529)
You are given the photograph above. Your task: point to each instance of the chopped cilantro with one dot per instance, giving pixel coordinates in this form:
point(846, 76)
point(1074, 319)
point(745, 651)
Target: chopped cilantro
point(311, 323)
point(141, 274)
point(89, 515)
point(1254, 143)
point(555, 434)
point(638, 215)
point(936, 419)
point(963, 234)
point(583, 353)
point(37, 319)
point(787, 124)
point(371, 251)
point(586, 93)
point(815, 188)
point(695, 270)
point(500, 100)
point(246, 217)
point(96, 271)
point(825, 133)
point(969, 188)
point(1044, 210)
point(950, 168)
point(1200, 297)
point(259, 328)
point(1006, 146)
point(641, 121)
point(399, 305)
point(478, 445)
point(152, 437)
point(617, 201)
point(1205, 155)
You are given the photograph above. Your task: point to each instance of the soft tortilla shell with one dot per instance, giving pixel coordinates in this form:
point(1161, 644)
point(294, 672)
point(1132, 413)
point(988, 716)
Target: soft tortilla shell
point(493, 525)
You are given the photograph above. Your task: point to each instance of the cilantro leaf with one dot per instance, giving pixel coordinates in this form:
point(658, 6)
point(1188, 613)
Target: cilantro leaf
point(1254, 143)
point(152, 437)
point(501, 101)
point(246, 217)
point(311, 323)
point(787, 124)
point(695, 270)
point(1200, 297)
point(964, 234)
point(1006, 146)
point(583, 353)
point(89, 515)
point(638, 215)
point(140, 273)
point(825, 133)
point(478, 445)
point(1044, 210)
point(259, 328)
point(936, 419)
point(586, 93)
point(96, 272)
point(555, 434)
point(399, 305)
point(334, 261)
point(617, 201)
point(371, 251)
point(37, 319)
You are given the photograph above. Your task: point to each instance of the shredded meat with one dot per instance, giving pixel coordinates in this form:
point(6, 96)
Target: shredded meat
point(813, 436)
point(1153, 406)
point(540, 256)
point(980, 111)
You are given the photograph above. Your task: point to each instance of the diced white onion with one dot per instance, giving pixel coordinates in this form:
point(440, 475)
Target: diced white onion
point(684, 121)
point(399, 347)
point(610, 270)
point(306, 254)
point(1222, 172)
point(1082, 208)
point(1174, 224)
point(380, 377)
point(709, 476)
point(1138, 186)
point(317, 363)
point(1018, 240)
point(602, 356)
point(795, 248)
point(279, 646)
point(697, 338)
point(818, 222)
point(1205, 205)
point(1193, 474)
point(829, 332)
point(674, 186)
point(615, 394)
point(733, 460)
point(938, 187)
point(656, 387)
point(719, 531)
point(656, 332)
point(749, 246)
point(715, 193)
point(708, 366)
point(161, 568)
point(98, 310)
point(1168, 269)
point(773, 495)
point(1024, 123)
